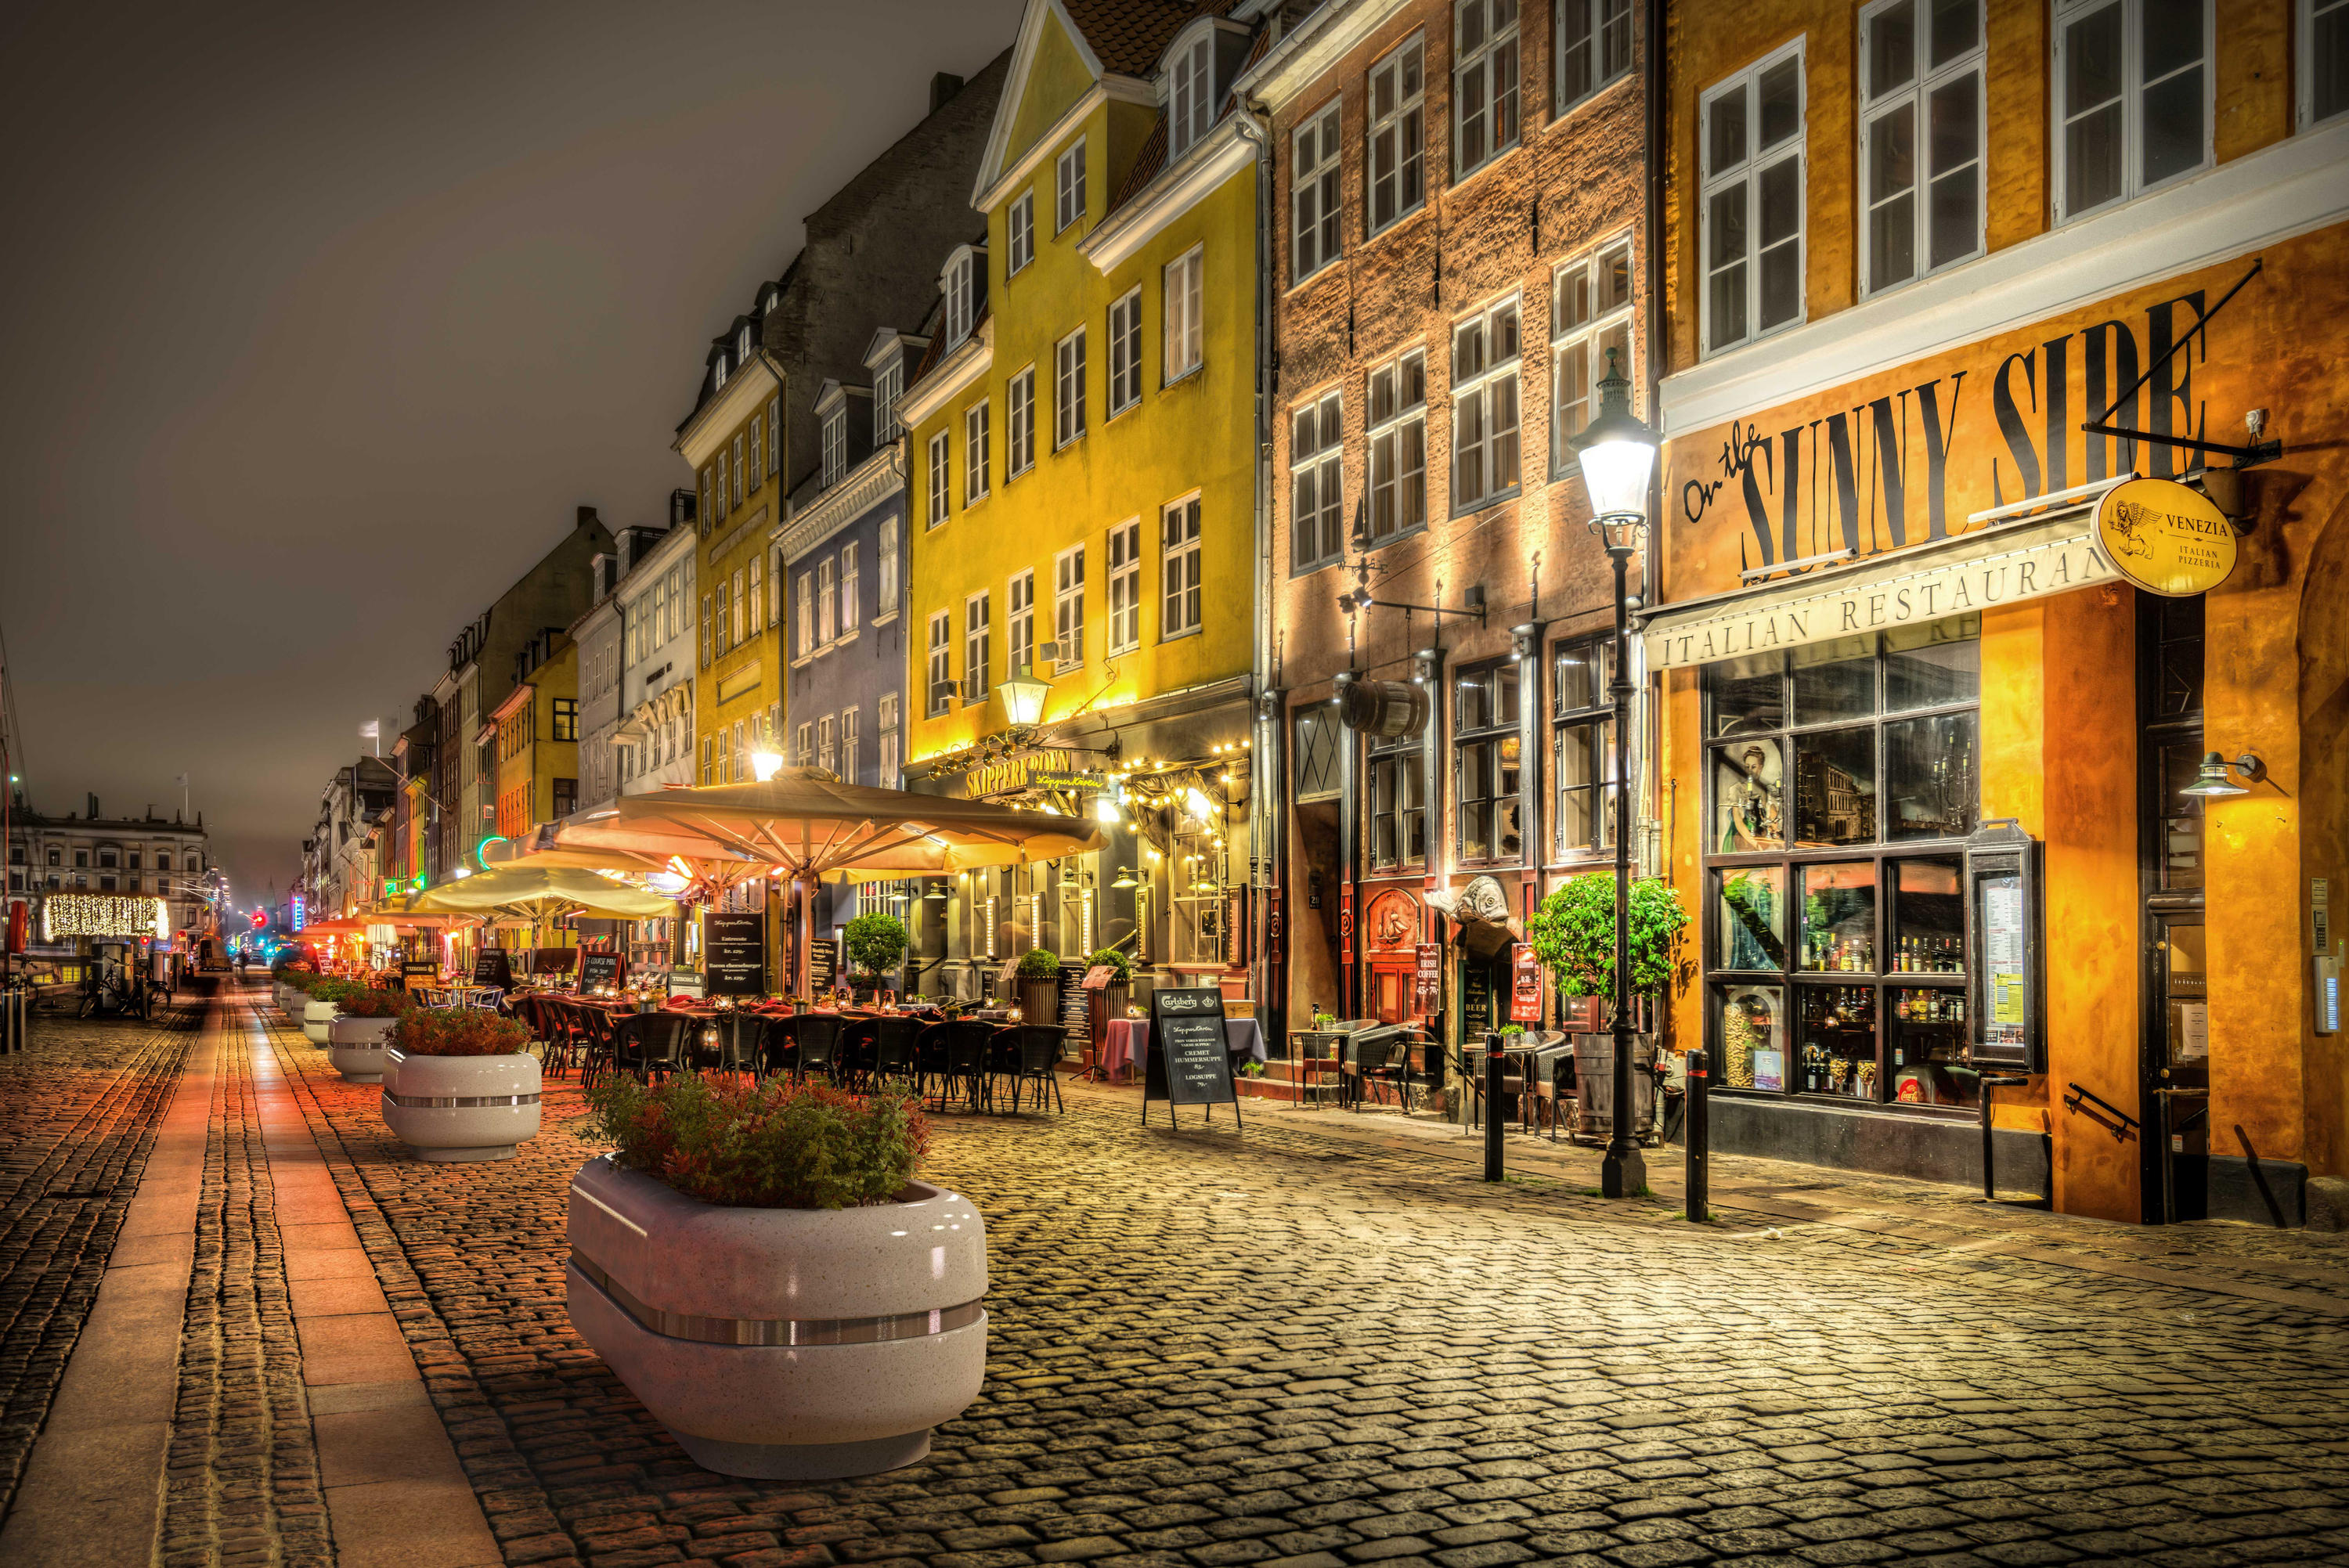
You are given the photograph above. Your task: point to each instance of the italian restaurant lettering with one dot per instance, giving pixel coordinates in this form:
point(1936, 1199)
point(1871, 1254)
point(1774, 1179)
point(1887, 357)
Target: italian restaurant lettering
point(1904, 460)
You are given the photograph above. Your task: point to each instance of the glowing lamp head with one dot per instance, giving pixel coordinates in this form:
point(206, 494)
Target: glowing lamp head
point(765, 765)
point(1023, 698)
point(1617, 453)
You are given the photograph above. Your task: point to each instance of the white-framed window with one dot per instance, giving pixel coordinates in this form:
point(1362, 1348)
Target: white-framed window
point(1019, 424)
point(884, 588)
point(1126, 586)
point(941, 690)
point(1398, 443)
point(1124, 353)
point(974, 452)
point(827, 602)
point(885, 735)
point(1068, 608)
point(1485, 350)
point(1185, 337)
point(941, 506)
point(1021, 621)
point(1397, 153)
point(775, 587)
point(1594, 46)
point(774, 435)
point(888, 386)
point(757, 621)
point(1068, 186)
point(1751, 132)
point(2323, 56)
point(2132, 90)
point(720, 495)
point(977, 646)
point(742, 344)
point(1921, 139)
point(1190, 87)
point(1313, 192)
point(803, 750)
point(848, 586)
point(717, 374)
point(1069, 388)
point(1316, 482)
point(1179, 569)
point(1019, 233)
point(958, 299)
point(848, 744)
point(739, 472)
point(739, 628)
point(835, 447)
point(741, 752)
point(826, 757)
point(1483, 81)
point(758, 445)
point(705, 630)
point(1589, 316)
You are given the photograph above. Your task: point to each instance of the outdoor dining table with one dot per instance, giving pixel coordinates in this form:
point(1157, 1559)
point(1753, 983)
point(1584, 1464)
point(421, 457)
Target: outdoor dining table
point(1126, 1043)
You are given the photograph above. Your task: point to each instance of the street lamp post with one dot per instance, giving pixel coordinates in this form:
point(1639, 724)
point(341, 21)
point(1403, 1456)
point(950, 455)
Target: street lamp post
point(1617, 456)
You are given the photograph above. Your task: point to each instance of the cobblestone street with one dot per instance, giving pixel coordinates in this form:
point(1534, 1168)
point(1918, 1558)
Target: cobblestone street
point(1322, 1342)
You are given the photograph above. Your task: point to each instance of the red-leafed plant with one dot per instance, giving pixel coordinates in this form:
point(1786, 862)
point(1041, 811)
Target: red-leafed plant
point(770, 1145)
point(459, 1032)
point(372, 1005)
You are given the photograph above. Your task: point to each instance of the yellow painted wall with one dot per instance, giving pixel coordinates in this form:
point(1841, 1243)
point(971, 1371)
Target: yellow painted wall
point(1196, 436)
point(1057, 77)
point(747, 669)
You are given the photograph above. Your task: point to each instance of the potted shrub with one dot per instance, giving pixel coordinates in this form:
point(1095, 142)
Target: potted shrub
point(1038, 979)
point(876, 948)
point(459, 1083)
point(1573, 935)
point(326, 993)
point(758, 1265)
point(361, 1033)
point(1118, 995)
point(292, 990)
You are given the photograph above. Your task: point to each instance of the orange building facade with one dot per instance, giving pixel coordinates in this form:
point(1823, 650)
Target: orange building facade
point(1924, 734)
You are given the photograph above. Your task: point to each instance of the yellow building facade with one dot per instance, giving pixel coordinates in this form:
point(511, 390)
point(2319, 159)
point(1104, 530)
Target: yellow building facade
point(1083, 502)
point(536, 733)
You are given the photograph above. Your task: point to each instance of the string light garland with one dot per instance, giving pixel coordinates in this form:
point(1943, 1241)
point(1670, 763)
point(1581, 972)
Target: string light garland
point(67, 915)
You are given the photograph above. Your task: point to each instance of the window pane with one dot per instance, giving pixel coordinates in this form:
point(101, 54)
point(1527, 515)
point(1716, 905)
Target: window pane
point(1781, 203)
point(1750, 918)
point(2173, 125)
point(1891, 194)
point(1835, 787)
point(1839, 917)
point(1891, 48)
point(1725, 221)
point(1838, 1040)
point(2092, 108)
point(2171, 36)
point(2329, 64)
point(1956, 24)
point(1751, 1036)
point(1929, 917)
point(1748, 694)
point(1932, 766)
point(1781, 92)
point(1573, 679)
point(1725, 147)
point(1573, 307)
point(1956, 120)
point(1835, 680)
point(1748, 796)
point(1932, 666)
point(1927, 1065)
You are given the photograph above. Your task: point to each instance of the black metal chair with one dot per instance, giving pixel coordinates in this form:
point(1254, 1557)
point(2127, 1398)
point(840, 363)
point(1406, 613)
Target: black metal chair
point(779, 1046)
point(964, 1062)
point(818, 1035)
point(598, 1029)
point(737, 1045)
point(1032, 1050)
point(654, 1045)
point(854, 1058)
point(894, 1052)
point(1470, 1065)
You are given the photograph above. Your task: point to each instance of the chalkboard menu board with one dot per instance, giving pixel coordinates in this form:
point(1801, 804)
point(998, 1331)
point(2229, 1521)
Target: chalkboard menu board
point(1190, 1058)
point(823, 964)
point(415, 974)
point(735, 954)
point(492, 967)
point(598, 969)
point(1076, 1010)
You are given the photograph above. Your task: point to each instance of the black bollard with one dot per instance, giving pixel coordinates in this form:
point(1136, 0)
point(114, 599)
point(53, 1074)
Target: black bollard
point(1495, 1059)
point(1697, 1130)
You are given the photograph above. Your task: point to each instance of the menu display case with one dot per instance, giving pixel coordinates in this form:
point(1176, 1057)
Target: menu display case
point(2006, 989)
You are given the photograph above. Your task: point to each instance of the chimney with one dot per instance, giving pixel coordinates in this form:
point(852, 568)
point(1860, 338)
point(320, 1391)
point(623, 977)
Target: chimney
point(93, 807)
point(587, 518)
point(943, 86)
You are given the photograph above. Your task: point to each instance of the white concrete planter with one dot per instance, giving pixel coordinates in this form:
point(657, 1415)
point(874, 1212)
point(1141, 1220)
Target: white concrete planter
point(460, 1108)
point(782, 1344)
point(356, 1047)
point(315, 1018)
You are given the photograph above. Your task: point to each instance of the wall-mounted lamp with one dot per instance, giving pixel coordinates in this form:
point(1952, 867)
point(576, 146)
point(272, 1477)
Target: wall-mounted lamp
point(2212, 780)
point(1125, 879)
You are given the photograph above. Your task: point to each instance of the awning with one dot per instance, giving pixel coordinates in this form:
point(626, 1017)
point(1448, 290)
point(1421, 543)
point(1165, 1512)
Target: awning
point(2002, 563)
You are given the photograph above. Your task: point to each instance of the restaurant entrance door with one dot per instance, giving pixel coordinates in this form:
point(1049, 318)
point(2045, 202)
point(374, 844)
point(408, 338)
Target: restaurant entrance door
point(2174, 1083)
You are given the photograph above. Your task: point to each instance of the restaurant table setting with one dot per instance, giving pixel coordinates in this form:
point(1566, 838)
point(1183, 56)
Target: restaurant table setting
point(1125, 1044)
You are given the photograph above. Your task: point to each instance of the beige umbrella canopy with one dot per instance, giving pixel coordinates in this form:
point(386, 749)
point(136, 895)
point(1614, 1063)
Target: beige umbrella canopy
point(805, 825)
point(543, 889)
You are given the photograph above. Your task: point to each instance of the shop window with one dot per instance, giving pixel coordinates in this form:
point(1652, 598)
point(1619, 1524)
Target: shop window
point(1397, 802)
point(1489, 753)
point(1582, 749)
point(1319, 736)
point(1921, 138)
point(1835, 930)
point(1398, 439)
point(2132, 84)
point(1751, 216)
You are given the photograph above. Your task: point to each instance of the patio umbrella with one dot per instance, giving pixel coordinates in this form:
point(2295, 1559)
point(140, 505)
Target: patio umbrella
point(543, 889)
point(805, 825)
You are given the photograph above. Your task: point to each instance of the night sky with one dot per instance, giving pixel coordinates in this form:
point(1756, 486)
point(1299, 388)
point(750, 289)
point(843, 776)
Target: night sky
point(317, 323)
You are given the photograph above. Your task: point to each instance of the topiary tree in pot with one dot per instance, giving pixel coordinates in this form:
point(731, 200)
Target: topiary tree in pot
point(1038, 979)
point(875, 945)
point(768, 1203)
point(1573, 935)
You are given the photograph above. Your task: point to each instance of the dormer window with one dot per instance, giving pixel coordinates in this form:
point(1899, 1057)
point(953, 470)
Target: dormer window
point(1190, 83)
point(959, 298)
point(717, 374)
point(742, 344)
point(774, 298)
point(836, 446)
point(888, 384)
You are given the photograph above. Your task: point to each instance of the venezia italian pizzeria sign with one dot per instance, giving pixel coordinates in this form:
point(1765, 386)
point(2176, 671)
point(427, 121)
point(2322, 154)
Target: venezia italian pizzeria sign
point(2164, 537)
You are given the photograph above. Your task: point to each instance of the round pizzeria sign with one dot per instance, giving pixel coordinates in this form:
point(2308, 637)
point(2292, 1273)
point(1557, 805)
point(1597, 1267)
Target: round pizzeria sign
point(2165, 537)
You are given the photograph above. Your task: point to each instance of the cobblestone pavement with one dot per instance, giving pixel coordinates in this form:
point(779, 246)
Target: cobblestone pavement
point(79, 1112)
point(1328, 1343)
point(241, 1482)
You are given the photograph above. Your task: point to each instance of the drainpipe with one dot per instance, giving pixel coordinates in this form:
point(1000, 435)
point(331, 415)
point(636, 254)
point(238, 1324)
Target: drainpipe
point(1650, 711)
point(1268, 772)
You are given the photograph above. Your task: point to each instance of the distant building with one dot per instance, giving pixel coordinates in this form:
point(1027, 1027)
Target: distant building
point(338, 863)
point(654, 740)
